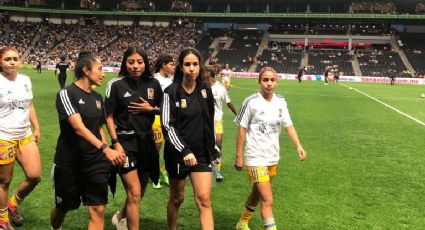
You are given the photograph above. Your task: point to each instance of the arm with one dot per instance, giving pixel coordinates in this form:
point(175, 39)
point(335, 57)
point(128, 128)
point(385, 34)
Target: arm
point(80, 129)
point(232, 108)
point(168, 120)
point(240, 140)
point(34, 123)
point(292, 133)
point(110, 124)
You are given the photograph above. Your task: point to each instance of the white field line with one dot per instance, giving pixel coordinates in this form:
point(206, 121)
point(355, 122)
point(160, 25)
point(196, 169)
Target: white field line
point(386, 105)
point(327, 95)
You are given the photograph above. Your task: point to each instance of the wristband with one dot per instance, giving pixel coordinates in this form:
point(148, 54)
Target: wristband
point(103, 147)
point(114, 141)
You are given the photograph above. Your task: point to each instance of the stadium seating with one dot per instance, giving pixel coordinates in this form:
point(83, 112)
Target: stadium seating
point(283, 57)
point(414, 48)
point(320, 59)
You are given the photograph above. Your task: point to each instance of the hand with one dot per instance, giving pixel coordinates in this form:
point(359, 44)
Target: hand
point(238, 163)
point(114, 156)
point(118, 147)
point(190, 160)
point(302, 153)
point(37, 136)
point(136, 107)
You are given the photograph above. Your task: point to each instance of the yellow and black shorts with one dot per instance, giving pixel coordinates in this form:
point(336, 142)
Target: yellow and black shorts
point(258, 174)
point(218, 126)
point(157, 130)
point(9, 148)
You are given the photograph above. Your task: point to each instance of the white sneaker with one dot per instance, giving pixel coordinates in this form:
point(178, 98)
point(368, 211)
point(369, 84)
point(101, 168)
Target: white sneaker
point(157, 186)
point(119, 224)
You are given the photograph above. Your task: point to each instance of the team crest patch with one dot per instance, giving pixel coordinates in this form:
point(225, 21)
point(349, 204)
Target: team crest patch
point(26, 88)
point(59, 200)
point(204, 93)
point(183, 103)
point(280, 112)
point(151, 93)
point(98, 105)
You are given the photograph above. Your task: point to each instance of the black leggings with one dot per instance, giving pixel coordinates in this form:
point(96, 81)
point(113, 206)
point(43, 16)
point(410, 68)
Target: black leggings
point(62, 80)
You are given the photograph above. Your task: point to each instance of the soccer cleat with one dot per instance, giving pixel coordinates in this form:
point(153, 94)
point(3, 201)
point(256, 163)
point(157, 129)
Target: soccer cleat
point(15, 217)
point(242, 226)
point(119, 224)
point(157, 186)
point(218, 176)
point(6, 226)
point(164, 176)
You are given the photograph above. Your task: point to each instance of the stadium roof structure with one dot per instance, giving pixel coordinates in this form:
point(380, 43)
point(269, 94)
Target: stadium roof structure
point(215, 14)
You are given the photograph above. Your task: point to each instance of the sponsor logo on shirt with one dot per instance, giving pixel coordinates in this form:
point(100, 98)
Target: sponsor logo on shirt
point(127, 94)
point(280, 113)
point(81, 102)
point(98, 105)
point(26, 88)
point(183, 103)
point(204, 93)
point(177, 104)
point(151, 93)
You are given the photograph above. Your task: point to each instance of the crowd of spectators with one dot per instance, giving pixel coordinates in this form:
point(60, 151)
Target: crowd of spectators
point(284, 57)
point(20, 36)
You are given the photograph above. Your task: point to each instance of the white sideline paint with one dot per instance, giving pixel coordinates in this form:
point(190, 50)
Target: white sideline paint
point(386, 105)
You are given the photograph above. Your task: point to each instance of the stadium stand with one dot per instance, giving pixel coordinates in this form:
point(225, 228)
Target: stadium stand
point(381, 62)
point(282, 56)
point(414, 48)
point(241, 54)
point(321, 59)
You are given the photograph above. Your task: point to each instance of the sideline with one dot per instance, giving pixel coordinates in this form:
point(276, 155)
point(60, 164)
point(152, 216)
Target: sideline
point(385, 104)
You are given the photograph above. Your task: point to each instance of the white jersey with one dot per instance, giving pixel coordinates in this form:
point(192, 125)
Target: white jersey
point(15, 101)
point(220, 96)
point(263, 120)
point(225, 75)
point(164, 82)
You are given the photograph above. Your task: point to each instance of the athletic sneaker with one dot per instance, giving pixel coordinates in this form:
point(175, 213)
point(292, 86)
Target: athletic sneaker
point(119, 224)
point(218, 176)
point(15, 217)
point(6, 226)
point(164, 176)
point(157, 186)
point(242, 226)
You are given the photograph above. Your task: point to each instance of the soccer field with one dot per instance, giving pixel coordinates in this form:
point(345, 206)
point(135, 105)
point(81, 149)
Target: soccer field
point(365, 166)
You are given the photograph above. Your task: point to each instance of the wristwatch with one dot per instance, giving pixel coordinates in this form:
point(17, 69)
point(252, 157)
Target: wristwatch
point(103, 147)
point(114, 141)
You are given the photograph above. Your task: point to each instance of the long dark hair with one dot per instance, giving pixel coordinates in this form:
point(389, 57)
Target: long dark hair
point(178, 76)
point(161, 60)
point(132, 50)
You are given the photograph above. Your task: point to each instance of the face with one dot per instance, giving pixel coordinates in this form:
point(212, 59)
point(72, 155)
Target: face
point(268, 82)
point(135, 65)
point(208, 78)
point(96, 73)
point(191, 67)
point(10, 63)
point(169, 68)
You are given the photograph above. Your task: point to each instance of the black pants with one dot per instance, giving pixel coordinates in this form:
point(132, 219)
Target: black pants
point(62, 80)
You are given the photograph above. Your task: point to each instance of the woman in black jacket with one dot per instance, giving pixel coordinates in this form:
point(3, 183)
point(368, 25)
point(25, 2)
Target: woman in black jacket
point(187, 116)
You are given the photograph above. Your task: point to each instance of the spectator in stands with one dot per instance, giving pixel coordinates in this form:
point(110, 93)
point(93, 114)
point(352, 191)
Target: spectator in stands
point(83, 160)
point(188, 119)
point(220, 96)
point(263, 116)
point(17, 140)
point(132, 100)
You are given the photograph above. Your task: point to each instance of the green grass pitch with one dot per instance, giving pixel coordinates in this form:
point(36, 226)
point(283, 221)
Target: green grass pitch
point(365, 166)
